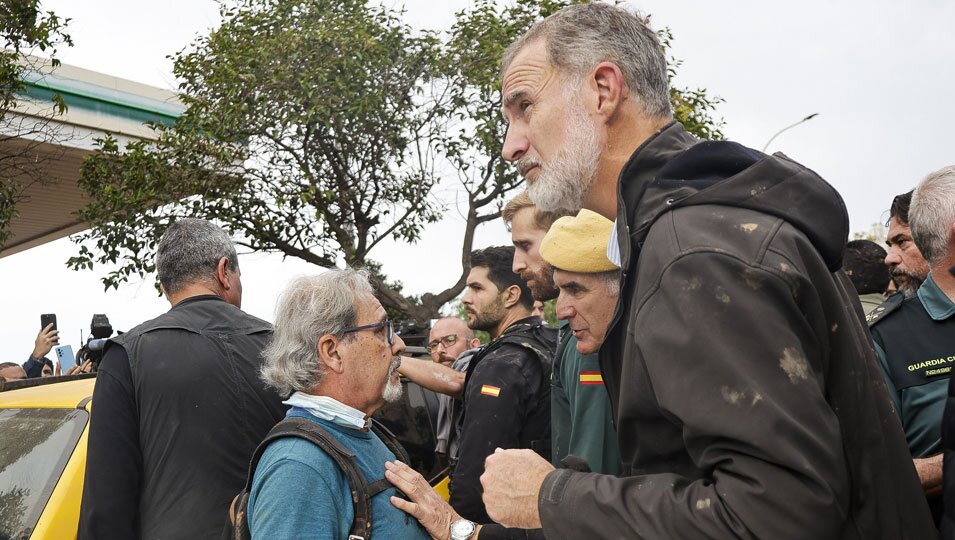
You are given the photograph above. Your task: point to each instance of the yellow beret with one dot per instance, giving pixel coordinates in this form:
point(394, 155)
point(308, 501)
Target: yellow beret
point(579, 243)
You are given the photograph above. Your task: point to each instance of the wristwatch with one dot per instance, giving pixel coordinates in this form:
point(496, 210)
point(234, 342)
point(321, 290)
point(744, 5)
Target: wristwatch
point(462, 529)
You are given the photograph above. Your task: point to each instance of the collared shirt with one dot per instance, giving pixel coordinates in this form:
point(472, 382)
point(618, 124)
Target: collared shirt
point(613, 248)
point(920, 403)
point(330, 410)
point(870, 302)
point(936, 302)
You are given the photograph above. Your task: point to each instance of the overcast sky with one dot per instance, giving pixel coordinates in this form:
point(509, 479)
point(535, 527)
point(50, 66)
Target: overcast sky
point(879, 74)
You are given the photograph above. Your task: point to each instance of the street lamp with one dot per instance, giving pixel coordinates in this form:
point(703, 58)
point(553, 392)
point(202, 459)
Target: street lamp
point(806, 119)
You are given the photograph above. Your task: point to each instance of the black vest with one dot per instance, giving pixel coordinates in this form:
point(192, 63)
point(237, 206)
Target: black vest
point(202, 411)
point(918, 349)
point(533, 335)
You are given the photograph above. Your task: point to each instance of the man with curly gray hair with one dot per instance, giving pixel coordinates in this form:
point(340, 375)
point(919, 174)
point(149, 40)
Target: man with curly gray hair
point(335, 355)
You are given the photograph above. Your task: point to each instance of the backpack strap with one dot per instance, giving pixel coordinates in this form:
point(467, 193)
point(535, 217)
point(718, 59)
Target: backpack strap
point(345, 458)
point(561, 347)
point(390, 441)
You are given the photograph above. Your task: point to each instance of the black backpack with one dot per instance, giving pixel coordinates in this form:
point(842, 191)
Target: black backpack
point(361, 490)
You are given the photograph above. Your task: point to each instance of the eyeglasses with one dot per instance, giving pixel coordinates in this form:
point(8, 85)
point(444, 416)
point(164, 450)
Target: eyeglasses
point(386, 324)
point(447, 341)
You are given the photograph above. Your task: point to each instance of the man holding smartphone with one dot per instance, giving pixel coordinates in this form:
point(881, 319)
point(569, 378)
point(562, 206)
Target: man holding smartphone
point(48, 337)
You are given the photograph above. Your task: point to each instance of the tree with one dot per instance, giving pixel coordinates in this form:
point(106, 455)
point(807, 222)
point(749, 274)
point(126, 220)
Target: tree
point(24, 29)
point(313, 129)
point(876, 233)
point(305, 133)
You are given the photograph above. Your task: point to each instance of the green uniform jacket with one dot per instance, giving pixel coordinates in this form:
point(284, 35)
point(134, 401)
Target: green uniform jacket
point(581, 421)
point(920, 393)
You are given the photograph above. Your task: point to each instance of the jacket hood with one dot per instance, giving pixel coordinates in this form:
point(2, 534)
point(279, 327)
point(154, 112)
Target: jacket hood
point(727, 173)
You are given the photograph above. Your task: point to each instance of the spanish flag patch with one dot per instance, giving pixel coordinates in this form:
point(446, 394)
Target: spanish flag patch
point(591, 377)
point(489, 390)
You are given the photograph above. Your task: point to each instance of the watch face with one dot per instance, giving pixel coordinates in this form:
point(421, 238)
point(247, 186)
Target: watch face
point(462, 528)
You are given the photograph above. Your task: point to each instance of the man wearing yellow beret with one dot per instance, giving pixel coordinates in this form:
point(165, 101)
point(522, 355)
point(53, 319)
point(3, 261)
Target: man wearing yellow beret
point(581, 420)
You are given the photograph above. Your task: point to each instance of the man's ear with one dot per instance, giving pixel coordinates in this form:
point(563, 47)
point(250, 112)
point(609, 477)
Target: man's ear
point(475, 342)
point(512, 295)
point(222, 267)
point(611, 89)
point(329, 354)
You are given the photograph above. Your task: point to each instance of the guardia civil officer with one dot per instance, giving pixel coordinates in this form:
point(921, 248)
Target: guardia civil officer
point(915, 338)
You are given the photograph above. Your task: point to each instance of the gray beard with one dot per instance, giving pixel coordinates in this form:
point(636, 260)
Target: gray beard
point(393, 390)
point(908, 285)
point(563, 183)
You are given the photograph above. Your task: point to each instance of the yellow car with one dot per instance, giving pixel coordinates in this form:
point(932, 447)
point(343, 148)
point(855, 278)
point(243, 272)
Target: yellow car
point(44, 424)
point(43, 428)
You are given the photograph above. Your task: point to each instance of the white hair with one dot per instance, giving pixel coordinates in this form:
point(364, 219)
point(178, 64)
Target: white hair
point(309, 308)
point(932, 214)
point(612, 280)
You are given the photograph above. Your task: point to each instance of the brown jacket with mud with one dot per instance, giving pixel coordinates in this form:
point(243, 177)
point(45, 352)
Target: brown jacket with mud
point(746, 395)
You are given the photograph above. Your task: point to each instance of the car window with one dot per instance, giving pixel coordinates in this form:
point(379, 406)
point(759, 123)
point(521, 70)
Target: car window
point(35, 445)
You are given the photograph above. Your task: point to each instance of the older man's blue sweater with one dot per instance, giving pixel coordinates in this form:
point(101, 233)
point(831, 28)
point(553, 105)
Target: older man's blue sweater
point(298, 491)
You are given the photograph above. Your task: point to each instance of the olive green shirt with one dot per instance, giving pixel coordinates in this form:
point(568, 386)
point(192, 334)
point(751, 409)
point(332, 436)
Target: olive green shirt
point(581, 419)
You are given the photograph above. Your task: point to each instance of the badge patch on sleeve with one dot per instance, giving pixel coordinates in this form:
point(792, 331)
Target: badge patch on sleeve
point(489, 390)
point(591, 377)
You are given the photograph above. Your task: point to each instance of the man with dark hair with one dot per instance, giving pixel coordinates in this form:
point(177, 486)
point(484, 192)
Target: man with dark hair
point(865, 266)
point(746, 399)
point(46, 339)
point(506, 401)
point(904, 259)
point(12, 371)
point(915, 335)
point(179, 403)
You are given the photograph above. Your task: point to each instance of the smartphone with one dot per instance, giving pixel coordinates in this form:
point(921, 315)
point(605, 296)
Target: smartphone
point(46, 319)
point(64, 355)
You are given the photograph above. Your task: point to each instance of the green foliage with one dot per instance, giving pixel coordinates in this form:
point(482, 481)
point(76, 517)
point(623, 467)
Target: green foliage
point(693, 108)
point(24, 29)
point(305, 133)
point(313, 128)
point(470, 70)
point(550, 313)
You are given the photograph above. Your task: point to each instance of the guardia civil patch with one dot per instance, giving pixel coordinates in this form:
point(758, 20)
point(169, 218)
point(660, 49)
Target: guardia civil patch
point(489, 390)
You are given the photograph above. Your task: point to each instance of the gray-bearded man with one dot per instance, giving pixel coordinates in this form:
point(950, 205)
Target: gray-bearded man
point(747, 400)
